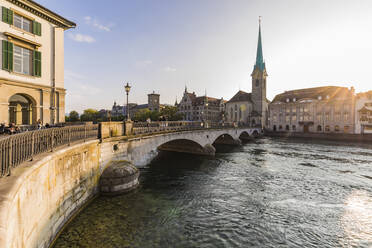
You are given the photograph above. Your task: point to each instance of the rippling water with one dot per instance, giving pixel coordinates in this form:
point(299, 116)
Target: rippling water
point(268, 193)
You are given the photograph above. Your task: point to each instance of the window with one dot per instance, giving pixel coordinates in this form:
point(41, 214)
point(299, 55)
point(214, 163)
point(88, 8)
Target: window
point(294, 127)
point(346, 129)
point(294, 118)
point(287, 118)
point(319, 128)
point(346, 116)
point(257, 82)
point(22, 23)
point(287, 127)
point(22, 58)
point(327, 129)
point(337, 128)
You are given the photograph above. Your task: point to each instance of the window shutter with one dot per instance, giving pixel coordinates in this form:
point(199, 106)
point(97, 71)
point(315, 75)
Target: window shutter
point(7, 15)
point(10, 55)
point(10, 17)
point(39, 28)
point(36, 63)
point(36, 28)
point(7, 55)
point(4, 15)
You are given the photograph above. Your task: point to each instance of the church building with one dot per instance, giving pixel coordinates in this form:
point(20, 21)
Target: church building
point(251, 108)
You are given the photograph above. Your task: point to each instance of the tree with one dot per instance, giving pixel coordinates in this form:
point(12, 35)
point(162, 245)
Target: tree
point(90, 115)
point(73, 116)
point(144, 114)
point(169, 113)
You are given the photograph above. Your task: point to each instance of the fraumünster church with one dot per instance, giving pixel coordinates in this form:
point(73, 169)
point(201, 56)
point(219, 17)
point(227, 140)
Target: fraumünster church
point(251, 108)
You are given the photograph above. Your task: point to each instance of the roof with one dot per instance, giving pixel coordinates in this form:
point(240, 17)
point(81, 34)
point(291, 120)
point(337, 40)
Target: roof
point(365, 109)
point(44, 13)
point(260, 64)
point(326, 92)
point(367, 94)
point(241, 96)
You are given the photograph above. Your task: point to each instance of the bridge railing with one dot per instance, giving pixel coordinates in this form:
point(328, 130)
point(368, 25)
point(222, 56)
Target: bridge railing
point(18, 148)
point(165, 126)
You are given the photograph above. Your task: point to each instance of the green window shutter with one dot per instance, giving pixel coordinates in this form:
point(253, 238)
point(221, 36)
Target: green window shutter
point(7, 55)
point(39, 28)
point(4, 14)
point(10, 17)
point(10, 56)
point(36, 28)
point(36, 63)
point(7, 15)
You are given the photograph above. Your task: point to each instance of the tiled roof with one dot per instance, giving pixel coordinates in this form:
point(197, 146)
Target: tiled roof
point(241, 96)
point(327, 92)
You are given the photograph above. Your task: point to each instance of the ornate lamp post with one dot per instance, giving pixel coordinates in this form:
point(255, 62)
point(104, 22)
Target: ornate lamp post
point(127, 89)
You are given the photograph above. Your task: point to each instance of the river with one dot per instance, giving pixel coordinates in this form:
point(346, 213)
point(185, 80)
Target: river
point(266, 193)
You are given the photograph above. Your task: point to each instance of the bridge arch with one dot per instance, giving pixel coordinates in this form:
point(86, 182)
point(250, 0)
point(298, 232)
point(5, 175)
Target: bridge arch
point(182, 145)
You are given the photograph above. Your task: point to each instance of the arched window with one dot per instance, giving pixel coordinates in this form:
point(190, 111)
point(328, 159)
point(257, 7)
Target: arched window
point(319, 128)
point(294, 127)
point(337, 128)
point(231, 113)
point(287, 127)
point(274, 128)
point(257, 82)
point(327, 129)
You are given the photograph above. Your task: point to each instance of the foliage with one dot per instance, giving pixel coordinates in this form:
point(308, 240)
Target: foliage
point(73, 116)
point(90, 115)
point(144, 114)
point(169, 113)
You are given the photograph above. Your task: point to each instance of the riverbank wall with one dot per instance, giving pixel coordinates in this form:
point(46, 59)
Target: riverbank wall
point(363, 138)
point(41, 196)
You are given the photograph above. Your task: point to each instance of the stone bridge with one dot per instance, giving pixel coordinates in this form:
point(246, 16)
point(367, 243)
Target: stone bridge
point(141, 150)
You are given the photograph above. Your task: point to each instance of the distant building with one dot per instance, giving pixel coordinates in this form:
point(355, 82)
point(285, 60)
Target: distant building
point(318, 110)
point(201, 108)
point(153, 104)
point(32, 65)
point(153, 101)
point(363, 113)
point(251, 108)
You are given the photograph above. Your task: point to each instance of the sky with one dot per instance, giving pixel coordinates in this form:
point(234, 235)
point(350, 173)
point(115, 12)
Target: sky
point(210, 46)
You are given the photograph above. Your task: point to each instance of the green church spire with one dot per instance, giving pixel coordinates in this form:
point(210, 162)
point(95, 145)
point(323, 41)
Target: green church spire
point(260, 64)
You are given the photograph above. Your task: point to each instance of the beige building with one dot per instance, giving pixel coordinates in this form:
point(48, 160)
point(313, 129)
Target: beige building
point(32, 65)
point(319, 110)
point(201, 108)
point(363, 113)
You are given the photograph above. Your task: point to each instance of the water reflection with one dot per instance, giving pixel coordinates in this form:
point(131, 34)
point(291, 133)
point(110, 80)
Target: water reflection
point(267, 193)
point(357, 219)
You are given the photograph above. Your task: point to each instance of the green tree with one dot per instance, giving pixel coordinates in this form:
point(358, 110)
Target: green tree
point(170, 113)
point(73, 116)
point(90, 115)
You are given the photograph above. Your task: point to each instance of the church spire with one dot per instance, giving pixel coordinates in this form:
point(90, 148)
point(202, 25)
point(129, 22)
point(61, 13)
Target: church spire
point(260, 64)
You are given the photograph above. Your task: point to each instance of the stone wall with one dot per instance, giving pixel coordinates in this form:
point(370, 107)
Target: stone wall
point(35, 202)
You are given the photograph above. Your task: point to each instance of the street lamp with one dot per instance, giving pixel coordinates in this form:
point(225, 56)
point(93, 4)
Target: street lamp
point(127, 89)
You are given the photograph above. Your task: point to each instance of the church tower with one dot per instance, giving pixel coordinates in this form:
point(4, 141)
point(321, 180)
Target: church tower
point(259, 75)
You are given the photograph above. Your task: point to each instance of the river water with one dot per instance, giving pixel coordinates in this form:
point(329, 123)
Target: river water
point(266, 193)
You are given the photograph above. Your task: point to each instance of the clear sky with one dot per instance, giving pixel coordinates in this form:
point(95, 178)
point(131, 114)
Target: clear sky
point(163, 45)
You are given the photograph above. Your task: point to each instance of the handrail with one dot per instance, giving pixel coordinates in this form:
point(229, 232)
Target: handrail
point(18, 148)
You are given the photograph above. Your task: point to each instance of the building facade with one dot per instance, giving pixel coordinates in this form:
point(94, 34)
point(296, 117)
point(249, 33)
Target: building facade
point(318, 110)
point(201, 108)
point(32, 65)
point(363, 113)
point(153, 101)
point(251, 108)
